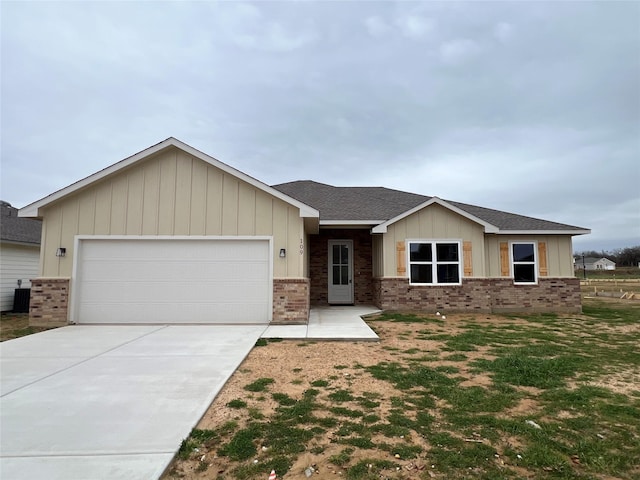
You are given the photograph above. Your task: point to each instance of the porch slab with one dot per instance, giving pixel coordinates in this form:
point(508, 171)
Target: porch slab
point(329, 323)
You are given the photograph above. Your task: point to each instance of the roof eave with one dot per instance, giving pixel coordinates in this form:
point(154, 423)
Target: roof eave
point(582, 231)
point(20, 242)
point(350, 222)
point(33, 210)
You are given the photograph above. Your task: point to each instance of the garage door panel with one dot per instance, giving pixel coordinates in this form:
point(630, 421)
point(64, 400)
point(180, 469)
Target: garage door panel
point(173, 281)
point(171, 292)
point(165, 249)
point(172, 313)
point(201, 271)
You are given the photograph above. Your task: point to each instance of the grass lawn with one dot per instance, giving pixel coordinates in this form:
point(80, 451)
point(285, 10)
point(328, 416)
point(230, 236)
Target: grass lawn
point(470, 397)
point(15, 325)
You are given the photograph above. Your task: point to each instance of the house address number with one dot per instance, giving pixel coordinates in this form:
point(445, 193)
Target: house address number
point(301, 247)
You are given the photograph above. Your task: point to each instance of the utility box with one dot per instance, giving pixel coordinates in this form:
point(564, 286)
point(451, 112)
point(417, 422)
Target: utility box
point(21, 299)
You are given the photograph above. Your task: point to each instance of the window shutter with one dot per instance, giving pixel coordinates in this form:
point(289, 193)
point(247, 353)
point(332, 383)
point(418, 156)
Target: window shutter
point(468, 259)
point(401, 259)
point(504, 259)
point(542, 259)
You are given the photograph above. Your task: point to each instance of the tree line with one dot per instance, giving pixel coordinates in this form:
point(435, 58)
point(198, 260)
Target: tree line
point(624, 257)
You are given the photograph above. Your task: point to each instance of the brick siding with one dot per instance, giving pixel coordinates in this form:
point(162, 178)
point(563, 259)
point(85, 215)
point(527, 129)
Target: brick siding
point(488, 295)
point(362, 265)
point(49, 302)
point(290, 301)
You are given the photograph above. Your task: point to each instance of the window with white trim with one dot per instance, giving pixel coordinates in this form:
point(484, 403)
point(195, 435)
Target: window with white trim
point(434, 262)
point(523, 262)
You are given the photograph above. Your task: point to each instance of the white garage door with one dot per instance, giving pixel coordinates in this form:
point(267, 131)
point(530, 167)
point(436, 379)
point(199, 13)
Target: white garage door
point(172, 281)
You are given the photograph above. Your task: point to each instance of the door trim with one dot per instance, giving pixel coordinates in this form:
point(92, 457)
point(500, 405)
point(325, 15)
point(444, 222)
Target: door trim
point(350, 299)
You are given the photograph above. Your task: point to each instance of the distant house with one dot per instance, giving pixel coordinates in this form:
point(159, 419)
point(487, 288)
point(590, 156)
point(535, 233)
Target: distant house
point(591, 263)
point(19, 253)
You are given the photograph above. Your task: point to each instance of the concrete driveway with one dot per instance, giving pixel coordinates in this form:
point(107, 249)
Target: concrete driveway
point(109, 402)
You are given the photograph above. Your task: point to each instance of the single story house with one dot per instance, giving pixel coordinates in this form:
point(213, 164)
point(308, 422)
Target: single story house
point(172, 235)
point(19, 253)
point(591, 263)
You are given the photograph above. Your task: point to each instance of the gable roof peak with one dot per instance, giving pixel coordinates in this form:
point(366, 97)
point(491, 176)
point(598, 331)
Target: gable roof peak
point(33, 209)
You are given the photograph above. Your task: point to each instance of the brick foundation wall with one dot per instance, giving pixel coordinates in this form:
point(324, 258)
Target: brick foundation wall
point(290, 301)
point(362, 264)
point(486, 295)
point(49, 302)
point(561, 295)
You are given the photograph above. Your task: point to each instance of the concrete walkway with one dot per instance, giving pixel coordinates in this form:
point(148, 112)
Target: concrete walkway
point(115, 401)
point(329, 323)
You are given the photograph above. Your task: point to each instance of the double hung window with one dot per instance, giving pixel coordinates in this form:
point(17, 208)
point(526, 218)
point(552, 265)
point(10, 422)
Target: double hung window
point(434, 262)
point(523, 262)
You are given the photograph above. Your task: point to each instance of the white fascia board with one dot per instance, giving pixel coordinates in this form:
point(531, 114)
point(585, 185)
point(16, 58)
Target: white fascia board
point(545, 232)
point(488, 228)
point(33, 209)
point(349, 222)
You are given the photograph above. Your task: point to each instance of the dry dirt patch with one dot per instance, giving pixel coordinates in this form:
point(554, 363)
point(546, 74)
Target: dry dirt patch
point(295, 365)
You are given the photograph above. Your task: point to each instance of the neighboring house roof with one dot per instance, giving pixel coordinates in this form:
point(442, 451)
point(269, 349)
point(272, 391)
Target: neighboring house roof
point(18, 230)
point(382, 206)
point(590, 260)
point(33, 210)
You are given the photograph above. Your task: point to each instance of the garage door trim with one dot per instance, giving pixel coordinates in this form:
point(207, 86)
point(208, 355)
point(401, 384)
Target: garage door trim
point(74, 299)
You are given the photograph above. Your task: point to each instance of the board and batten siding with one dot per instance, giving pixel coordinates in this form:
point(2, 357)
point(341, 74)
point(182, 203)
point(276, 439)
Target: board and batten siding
point(559, 251)
point(432, 222)
point(17, 262)
point(378, 256)
point(172, 193)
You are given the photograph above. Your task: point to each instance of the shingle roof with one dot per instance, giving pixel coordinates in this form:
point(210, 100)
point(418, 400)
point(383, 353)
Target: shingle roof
point(379, 204)
point(351, 203)
point(18, 229)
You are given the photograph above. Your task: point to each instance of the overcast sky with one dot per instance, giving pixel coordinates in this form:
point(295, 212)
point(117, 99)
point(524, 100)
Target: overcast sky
point(527, 107)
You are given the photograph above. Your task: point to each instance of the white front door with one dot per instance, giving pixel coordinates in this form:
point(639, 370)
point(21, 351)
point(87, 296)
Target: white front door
point(340, 271)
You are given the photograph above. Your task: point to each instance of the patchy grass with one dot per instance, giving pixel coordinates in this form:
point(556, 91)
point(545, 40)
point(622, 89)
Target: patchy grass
point(16, 325)
point(514, 397)
point(260, 385)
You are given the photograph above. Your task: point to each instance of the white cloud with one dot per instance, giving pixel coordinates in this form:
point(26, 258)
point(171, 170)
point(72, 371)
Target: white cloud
point(376, 26)
point(503, 31)
point(414, 26)
point(248, 28)
point(274, 37)
point(457, 51)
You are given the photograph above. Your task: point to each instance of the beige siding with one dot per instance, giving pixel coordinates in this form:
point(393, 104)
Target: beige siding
point(118, 206)
point(229, 205)
point(102, 217)
point(213, 223)
point(559, 253)
point(135, 196)
point(172, 194)
point(433, 222)
point(151, 197)
point(51, 240)
point(246, 209)
point(167, 194)
point(198, 204)
point(378, 256)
